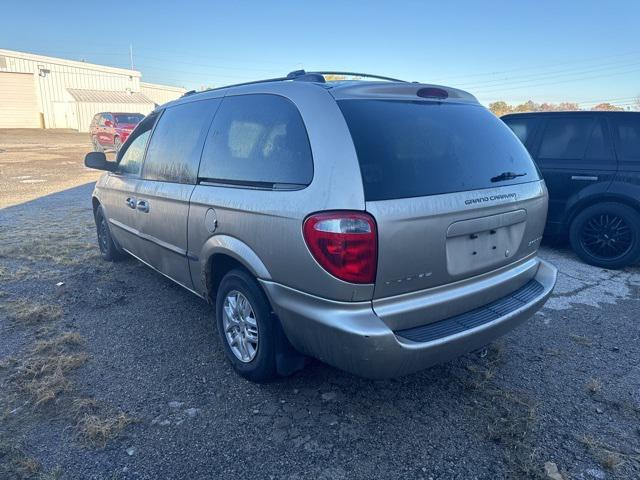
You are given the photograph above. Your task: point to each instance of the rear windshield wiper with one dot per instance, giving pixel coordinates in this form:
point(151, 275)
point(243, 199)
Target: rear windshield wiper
point(507, 176)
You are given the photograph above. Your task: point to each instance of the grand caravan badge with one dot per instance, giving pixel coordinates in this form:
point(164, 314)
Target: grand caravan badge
point(491, 198)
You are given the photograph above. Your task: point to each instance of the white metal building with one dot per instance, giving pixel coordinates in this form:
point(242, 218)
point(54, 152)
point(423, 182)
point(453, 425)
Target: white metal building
point(47, 92)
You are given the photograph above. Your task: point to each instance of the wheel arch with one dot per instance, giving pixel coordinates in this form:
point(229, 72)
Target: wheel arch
point(223, 253)
point(584, 203)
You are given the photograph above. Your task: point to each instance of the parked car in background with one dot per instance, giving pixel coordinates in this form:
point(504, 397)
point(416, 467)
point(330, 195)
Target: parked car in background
point(109, 130)
point(590, 162)
point(380, 227)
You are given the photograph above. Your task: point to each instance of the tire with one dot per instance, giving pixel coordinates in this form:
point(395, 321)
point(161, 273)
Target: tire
point(606, 235)
point(256, 321)
point(96, 145)
point(117, 145)
point(108, 249)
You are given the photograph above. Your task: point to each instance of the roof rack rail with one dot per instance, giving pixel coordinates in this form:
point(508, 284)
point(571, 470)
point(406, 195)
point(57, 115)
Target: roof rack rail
point(355, 74)
point(299, 75)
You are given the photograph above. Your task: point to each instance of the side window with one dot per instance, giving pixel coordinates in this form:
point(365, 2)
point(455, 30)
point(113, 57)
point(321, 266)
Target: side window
point(523, 127)
point(599, 147)
point(175, 147)
point(627, 137)
point(566, 138)
point(131, 154)
point(131, 160)
point(257, 139)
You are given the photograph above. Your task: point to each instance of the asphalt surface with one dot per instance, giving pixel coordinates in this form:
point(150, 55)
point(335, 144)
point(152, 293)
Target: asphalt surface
point(563, 388)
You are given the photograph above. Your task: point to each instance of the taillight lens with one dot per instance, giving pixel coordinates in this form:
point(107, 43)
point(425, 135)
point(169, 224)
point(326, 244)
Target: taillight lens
point(344, 244)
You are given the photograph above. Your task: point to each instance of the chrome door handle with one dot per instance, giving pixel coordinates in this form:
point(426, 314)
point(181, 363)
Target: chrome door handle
point(131, 202)
point(143, 206)
point(590, 178)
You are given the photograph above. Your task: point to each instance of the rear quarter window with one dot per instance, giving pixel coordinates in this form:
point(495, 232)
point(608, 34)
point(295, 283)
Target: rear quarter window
point(523, 127)
point(418, 148)
point(627, 138)
point(257, 139)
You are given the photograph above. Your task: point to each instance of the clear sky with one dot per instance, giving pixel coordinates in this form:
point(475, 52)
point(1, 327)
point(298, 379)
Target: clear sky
point(581, 51)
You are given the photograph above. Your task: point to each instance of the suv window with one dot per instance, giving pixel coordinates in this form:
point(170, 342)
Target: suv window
point(257, 139)
point(131, 160)
point(418, 148)
point(599, 146)
point(566, 138)
point(627, 133)
point(523, 127)
point(131, 154)
point(175, 147)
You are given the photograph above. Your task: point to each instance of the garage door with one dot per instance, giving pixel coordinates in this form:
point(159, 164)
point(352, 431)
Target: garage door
point(18, 102)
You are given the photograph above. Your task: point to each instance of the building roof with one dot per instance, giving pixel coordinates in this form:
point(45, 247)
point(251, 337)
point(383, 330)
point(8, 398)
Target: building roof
point(105, 96)
point(68, 63)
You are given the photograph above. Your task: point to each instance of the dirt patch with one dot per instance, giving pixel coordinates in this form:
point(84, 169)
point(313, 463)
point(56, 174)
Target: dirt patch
point(36, 162)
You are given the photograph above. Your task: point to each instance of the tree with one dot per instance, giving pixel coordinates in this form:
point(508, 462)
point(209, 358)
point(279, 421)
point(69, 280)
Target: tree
point(607, 107)
point(529, 106)
point(500, 108)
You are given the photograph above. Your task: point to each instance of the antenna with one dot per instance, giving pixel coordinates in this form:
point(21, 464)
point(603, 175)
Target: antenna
point(131, 55)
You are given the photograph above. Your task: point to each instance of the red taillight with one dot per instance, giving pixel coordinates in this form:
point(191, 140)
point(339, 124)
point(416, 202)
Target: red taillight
point(344, 244)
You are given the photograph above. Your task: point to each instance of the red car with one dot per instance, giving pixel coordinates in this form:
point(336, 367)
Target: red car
point(109, 130)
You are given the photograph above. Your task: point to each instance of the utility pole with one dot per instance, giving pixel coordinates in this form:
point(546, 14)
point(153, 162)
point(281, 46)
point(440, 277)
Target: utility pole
point(131, 55)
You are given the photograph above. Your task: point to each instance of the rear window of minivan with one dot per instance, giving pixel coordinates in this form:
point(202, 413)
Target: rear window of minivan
point(417, 148)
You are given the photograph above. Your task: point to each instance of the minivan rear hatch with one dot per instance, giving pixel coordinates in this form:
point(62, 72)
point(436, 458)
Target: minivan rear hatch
point(453, 191)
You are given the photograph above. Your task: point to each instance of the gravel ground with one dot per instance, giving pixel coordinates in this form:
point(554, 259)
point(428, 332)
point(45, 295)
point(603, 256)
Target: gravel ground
point(37, 162)
point(151, 395)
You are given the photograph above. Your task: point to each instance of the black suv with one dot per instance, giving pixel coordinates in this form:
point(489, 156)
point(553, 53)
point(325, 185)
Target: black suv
point(591, 164)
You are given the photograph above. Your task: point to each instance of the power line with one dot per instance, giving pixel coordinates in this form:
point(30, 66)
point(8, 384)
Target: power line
point(553, 74)
point(494, 90)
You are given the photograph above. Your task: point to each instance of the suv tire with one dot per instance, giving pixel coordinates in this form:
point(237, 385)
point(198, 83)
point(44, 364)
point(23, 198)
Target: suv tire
point(606, 235)
point(108, 249)
point(243, 313)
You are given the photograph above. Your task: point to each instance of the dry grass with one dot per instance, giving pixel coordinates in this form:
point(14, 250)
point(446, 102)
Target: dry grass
point(45, 378)
point(510, 416)
point(56, 343)
point(97, 430)
point(609, 457)
point(95, 425)
point(580, 340)
point(42, 373)
point(594, 386)
point(31, 312)
point(65, 247)
point(14, 463)
point(7, 275)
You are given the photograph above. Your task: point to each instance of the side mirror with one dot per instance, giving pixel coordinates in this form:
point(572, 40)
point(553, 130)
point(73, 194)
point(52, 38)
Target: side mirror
point(98, 161)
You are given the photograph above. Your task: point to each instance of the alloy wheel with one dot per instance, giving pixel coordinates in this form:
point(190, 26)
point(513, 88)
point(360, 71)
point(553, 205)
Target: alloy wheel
point(606, 236)
point(240, 326)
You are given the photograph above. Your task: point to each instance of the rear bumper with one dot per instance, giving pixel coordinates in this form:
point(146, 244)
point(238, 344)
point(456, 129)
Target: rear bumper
point(350, 336)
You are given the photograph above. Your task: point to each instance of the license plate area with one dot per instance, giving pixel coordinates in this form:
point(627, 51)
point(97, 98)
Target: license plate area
point(484, 243)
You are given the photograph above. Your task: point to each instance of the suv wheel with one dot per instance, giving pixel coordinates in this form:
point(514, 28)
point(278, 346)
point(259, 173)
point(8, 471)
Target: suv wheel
point(606, 235)
point(247, 328)
point(108, 249)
